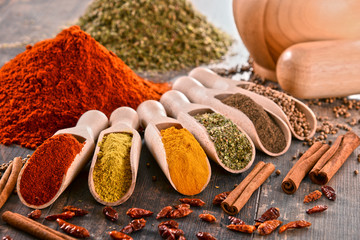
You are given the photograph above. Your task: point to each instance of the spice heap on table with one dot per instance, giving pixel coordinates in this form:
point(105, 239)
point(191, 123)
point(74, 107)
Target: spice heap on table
point(50, 85)
point(157, 35)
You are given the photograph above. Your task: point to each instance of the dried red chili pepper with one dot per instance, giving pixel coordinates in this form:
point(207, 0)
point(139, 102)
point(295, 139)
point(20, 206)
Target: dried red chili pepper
point(195, 202)
point(7, 238)
point(35, 214)
point(76, 210)
point(134, 225)
point(181, 238)
point(138, 213)
point(169, 233)
point(235, 221)
point(313, 196)
point(329, 192)
point(64, 216)
point(316, 209)
point(72, 229)
point(269, 226)
point(218, 199)
point(170, 224)
point(110, 213)
point(183, 205)
point(207, 217)
point(164, 212)
point(294, 224)
point(180, 212)
point(205, 236)
point(242, 228)
point(270, 214)
point(119, 236)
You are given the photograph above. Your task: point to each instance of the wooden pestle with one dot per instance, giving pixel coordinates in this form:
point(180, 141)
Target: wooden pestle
point(86, 130)
point(320, 69)
point(177, 105)
point(152, 116)
point(211, 80)
point(126, 120)
point(197, 93)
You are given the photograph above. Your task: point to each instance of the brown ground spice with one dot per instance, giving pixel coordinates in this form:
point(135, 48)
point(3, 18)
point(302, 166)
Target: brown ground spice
point(269, 132)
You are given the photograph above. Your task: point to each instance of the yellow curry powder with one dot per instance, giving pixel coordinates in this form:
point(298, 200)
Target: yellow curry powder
point(112, 171)
point(189, 170)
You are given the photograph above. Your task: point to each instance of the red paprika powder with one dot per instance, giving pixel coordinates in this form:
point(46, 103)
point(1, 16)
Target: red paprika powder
point(43, 175)
point(50, 85)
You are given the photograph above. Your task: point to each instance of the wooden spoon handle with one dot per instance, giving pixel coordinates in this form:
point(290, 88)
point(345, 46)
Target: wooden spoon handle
point(193, 89)
point(152, 111)
point(125, 115)
point(210, 79)
point(320, 69)
point(94, 120)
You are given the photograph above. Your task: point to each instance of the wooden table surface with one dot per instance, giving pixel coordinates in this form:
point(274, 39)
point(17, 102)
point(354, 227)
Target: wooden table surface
point(23, 21)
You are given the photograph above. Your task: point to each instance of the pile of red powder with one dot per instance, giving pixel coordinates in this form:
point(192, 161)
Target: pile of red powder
point(50, 85)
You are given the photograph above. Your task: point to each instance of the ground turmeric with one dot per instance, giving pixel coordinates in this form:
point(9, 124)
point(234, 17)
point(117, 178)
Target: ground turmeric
point(188, 165)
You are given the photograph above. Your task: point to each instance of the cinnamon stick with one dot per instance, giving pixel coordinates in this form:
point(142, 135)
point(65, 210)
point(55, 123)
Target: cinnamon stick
point(242, 193)
point(11, 181)
point(5, 177)
point(302, 167)
point(32, 227)
point(334, 158)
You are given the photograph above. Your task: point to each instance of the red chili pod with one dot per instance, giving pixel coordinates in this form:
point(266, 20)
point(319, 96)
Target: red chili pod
point(72, 229)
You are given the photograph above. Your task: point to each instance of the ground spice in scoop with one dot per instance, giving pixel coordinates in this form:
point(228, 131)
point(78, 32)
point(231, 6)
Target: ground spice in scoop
point(50, 85)
point(112, 171)
point(232, 146)
point(187, 161)
point(46, 168)
point(269, 132)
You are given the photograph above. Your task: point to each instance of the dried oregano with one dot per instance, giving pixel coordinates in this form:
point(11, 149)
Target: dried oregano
point(232, 146)
point(155, 35)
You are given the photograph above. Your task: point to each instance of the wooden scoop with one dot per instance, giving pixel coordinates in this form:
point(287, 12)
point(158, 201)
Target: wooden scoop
point(197, 93)
point(122, 120)
point(210, 79)
point(153, 118)
point(320, 69)
point(86, 130)
point(177, 105)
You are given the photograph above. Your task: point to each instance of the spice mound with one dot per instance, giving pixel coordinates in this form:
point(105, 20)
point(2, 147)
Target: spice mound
point(188, 166)
point(232, 146)
point(51, 84)
point(46, 168)
point(269, 132)
point(157, 35)
point(112, 172)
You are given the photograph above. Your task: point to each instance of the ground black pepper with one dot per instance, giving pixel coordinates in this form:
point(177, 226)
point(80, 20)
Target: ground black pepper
point(269, 132)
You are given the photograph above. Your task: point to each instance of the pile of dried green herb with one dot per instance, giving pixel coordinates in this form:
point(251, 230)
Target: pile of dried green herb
point(154, 35)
